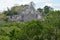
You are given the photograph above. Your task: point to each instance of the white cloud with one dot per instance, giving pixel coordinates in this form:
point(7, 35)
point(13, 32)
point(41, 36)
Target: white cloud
point(49, 4)
point(9, 3)
point(43, 3)
point(56, 6)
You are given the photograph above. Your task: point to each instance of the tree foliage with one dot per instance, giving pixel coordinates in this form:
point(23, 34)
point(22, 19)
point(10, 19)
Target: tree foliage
point(49, 29)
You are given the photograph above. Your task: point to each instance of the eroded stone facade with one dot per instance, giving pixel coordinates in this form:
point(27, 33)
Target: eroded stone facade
point(28, 13)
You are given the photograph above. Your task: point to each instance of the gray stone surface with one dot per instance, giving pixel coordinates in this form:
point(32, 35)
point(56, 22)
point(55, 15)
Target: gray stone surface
point(27, 14)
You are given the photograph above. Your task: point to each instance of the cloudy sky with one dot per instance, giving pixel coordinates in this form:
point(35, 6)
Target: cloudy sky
point(38, 3)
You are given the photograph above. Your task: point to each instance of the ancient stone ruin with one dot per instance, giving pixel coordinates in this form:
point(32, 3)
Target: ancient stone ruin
point(27, 14)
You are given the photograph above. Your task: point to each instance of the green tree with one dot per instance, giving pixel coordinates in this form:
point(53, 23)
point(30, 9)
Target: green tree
point(47, 9)
point(40, 10)
point(32, 30)
point(52, 20)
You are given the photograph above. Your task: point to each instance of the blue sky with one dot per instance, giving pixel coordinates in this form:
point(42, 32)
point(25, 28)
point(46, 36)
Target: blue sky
point(38, 3)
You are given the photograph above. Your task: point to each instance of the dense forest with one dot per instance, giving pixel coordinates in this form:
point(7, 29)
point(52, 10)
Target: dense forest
point(47, 29)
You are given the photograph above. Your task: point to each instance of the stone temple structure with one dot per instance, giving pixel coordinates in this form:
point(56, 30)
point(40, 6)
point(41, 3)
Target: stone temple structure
point(27, 14)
